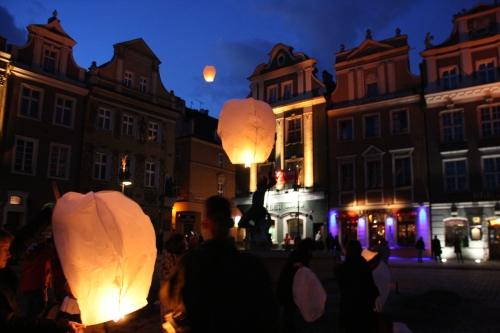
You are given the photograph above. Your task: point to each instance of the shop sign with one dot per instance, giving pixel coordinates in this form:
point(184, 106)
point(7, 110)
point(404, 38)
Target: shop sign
point(186, 216)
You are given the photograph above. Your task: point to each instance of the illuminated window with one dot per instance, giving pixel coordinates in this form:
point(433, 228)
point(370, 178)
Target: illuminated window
point(490, 120)
point(294, 130)
point(153, 131)
point(128, 81)
point(455, 175)
point(450, 78)
point(144, 84)
point(346, 131)
point(272, 94)
point(59, 161)
point(104, 119)
point(491, 167)
point(49, 61)
point(452, 125)
point(399, 120)
point(101, 166)
point(151, 175)
point(372, 125)
point(25, 155)
point(65, 109)
point(128, 125)
point(486, 72)
point(31, 102)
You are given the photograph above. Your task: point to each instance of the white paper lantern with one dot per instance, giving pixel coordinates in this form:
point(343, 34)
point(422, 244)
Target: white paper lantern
point(247, 128)
point(209, 73)
point(107, 249)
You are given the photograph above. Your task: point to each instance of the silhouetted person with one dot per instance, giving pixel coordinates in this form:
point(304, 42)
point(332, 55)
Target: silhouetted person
point(329, 242)
point(358, 291)
point(383, 250)
point(457, 245)
point(420, 246)
point(436, 248)
point(216, 288)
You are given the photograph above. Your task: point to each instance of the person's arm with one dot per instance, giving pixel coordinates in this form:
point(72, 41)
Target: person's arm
point(173, 308)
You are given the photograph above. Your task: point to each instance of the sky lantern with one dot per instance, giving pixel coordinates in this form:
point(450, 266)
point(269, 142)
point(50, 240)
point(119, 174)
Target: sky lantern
point(209, 73)
point(106, 245)
point(247, 128)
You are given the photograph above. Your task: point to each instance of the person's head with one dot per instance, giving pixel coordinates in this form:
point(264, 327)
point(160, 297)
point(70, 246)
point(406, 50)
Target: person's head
point(218, 217)
point(435, 236)
point(262, 183)
point(307, 245)
point(6, 239)
point(176, 244)
point(353, 248)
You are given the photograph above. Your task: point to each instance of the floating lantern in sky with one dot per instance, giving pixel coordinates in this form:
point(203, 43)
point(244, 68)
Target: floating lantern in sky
point(106, 245)
point(209, 73)
point(247, 128)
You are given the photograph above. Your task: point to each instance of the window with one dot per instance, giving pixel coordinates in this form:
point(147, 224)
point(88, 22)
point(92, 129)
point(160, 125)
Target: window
point(143, 85)
point(220, 190)
point(486, 72)
point(101, 166)
point(373, 174)
point(452, 125)
point(59, 161)
point(64, 111)
point(346, 176)
point(455, 175)
point(129, 79)
point(153, 134)
point(345, 130)
point(151, 174)
point(25, 155)
point(221, 161)
point(372, 127)
point(49, 61)
point(31, 102)
point(294, 130)
point(178, 154)
point(371, 90)
point(128, 125)
point(402, 171)
point(177, 187)
point(104, 120)
point(286, 89)
point(272, 94)
point(399, 119)
point(490, 120)
point(450, 79)
point(491, 167)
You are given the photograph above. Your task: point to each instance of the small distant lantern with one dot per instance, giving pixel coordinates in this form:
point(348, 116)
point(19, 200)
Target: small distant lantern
point(209, 73)
point(247, 128)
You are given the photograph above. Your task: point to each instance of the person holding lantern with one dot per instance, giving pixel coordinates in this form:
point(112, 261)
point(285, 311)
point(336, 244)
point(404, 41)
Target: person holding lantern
point(10, 319)
point(217, 288)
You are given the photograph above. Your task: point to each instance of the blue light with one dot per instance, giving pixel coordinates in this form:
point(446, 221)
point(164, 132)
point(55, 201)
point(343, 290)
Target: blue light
point(333, 226)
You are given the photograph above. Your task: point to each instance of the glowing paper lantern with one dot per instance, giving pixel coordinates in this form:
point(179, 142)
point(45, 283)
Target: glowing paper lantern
point(107, 249)
point(209, 73)
point(247, 128)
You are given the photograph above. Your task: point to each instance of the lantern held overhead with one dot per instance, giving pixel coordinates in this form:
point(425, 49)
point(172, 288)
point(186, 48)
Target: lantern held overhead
point(106, 245)
point(247, 128)
point(209, 73)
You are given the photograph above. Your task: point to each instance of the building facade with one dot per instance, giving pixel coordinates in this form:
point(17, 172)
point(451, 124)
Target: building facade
point(297, 204)
point(377, 151)
point(129, 131)
point(202, 169)
point(462, 96)
point(42, 106)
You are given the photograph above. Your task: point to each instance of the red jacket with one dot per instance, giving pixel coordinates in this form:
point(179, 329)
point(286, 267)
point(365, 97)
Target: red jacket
point(36, 267)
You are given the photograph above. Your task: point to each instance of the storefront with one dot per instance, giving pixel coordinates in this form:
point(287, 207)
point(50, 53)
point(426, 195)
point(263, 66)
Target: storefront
point(300, 213)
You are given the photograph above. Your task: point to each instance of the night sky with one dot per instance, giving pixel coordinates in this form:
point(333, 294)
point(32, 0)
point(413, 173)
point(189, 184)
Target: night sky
point(234, 36)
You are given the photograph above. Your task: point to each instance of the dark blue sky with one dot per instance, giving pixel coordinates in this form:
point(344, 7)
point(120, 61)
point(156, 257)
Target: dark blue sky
point(235, 36)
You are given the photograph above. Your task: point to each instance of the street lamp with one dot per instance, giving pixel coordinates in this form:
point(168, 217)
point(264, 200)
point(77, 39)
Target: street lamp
point(124, 174)
point(296, 189)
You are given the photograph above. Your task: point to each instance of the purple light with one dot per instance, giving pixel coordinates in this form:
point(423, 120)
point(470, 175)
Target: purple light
point(333, 226)
point(423, 224)
point(362, 231)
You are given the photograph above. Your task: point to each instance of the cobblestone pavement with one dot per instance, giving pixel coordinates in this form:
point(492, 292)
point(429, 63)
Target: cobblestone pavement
point(428, 297)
